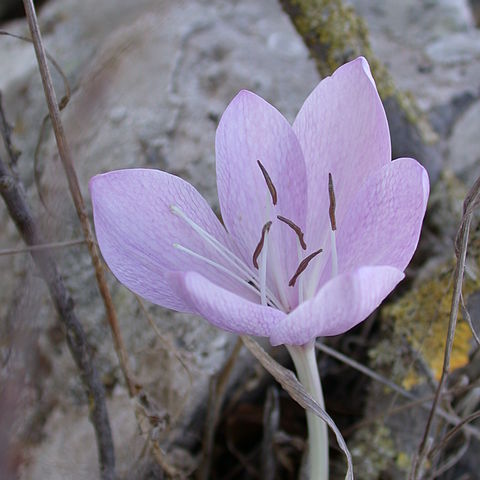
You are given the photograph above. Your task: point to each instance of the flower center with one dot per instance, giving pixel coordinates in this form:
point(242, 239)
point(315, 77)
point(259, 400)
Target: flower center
point(237, 269)
point(255, 279)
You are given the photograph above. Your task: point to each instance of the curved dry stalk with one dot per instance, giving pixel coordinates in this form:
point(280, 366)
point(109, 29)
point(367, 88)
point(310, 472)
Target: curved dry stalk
point(287, 379)
point(62, 104)
point(450, 434)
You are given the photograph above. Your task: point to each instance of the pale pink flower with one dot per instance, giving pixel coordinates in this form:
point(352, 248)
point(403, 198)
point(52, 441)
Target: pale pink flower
point(161, 239)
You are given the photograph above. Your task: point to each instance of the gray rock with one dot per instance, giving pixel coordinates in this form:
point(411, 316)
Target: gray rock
point(464, 155)
point(455, 49)
point(443, 117)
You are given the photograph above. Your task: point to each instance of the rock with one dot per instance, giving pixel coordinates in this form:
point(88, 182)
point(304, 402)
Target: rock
point(443, 117)
point(464, 155)
point(455, 49)
point(475, 4)
point(401, 33)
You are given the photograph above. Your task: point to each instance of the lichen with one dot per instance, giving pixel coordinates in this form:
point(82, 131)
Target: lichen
point(373, 451)
point(335, 34)
point(421, 318)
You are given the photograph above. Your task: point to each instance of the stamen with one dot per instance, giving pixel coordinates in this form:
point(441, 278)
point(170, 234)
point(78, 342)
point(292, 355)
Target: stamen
point(331, 194)
point(268, 181)
point(333, 224)
point(228, 255)
point(333, 242)
point(263, 267)
point(224, 252)
point(296, 229)
point(303, 265)
point(218, 266)
point(258, 250)
point(301, 290)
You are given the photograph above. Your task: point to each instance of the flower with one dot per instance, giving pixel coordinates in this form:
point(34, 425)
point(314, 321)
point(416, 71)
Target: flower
point(319, 222)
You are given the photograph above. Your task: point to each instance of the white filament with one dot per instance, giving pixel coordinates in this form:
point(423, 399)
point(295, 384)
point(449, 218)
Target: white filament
point(334, 253)
point(229, 256)
point(300, 278)
point(263, 269)
point(216, 265)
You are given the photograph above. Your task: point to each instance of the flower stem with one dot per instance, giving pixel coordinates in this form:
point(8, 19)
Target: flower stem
point(306, 365)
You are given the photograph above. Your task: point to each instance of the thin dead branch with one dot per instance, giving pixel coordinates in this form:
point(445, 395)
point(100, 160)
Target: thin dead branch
point(6, 133)
point(62, 104)
point(14, 197)
point(461, 246)
point(45, 246)
point(454, 431)
point(450, 418)
point(66, 158)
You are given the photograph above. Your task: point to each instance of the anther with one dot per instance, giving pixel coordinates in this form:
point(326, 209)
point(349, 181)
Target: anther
point(268, 181)
point(303, 265)
point(296, 229)
point(331, 210)
point(258, 250)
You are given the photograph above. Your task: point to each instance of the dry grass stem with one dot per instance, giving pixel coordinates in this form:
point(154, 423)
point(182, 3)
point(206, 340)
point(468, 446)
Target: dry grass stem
point(461, 246)
point(66, 158)
point(449, 417)
point(13, 195)
point(287, 379)
point(44, 246)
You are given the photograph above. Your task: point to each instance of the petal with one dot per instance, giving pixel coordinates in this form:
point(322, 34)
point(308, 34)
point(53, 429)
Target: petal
point(343, 130)
point(136, 230)
point(384, 220)
point(251, 130)
point(223, 308)
point(339, 305)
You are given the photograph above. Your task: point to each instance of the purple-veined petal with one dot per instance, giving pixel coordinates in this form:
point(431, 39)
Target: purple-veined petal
point(384, 220)
point(338, 306)
point(222, 308)
point(343, 130)
point(136, 230)
point(252, 130)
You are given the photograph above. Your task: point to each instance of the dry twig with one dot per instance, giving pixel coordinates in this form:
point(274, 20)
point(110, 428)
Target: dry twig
point(461, 246)
point(63, 103)
point(66, 158)
point(44, 246)
point(14, 197)
point(422, 402)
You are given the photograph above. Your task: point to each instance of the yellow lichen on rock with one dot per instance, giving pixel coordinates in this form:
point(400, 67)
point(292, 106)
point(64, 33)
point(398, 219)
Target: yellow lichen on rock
point(336, 34)
point(421, 318)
